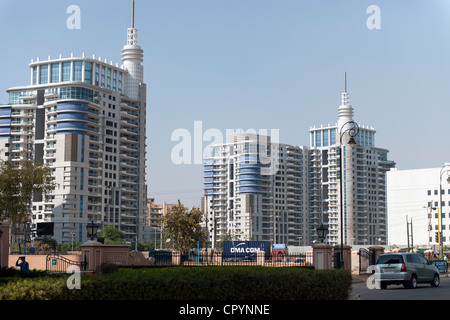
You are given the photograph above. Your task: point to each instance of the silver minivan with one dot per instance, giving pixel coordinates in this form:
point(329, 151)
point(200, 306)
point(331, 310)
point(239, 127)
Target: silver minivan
point(408, 269)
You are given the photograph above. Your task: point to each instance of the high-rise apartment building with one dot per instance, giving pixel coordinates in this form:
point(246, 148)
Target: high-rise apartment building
point(364, 168)
point(255, 189)
point(286, 205)
point(85, 118)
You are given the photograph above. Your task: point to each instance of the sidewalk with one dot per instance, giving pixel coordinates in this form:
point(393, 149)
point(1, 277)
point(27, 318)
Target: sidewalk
point(358, 278)
point(362, 278)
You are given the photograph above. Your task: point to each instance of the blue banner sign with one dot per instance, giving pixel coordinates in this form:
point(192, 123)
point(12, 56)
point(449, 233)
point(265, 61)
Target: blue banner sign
point(440, 264)
point(243, 250)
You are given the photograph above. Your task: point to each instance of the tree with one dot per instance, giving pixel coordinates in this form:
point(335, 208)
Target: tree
point(228, 236)
point(183, 230)
point(18, 182)
point(112, 235)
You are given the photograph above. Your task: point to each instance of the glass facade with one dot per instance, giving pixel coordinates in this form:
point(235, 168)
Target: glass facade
point(318, 139)
point(103, 77)
point(34, 75)
point(66, 71)
point(108, 79)
point(332, 136)
point(76, 93)
point(14, 97)
point(96, 75)
point(55, 73)
point(327, 137)
point(43, 74)
point(88, 72)
point(17, 97)
point(323, 137)
point(78, 70)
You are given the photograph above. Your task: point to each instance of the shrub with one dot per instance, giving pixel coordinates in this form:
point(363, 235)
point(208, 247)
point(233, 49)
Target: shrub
point(184, 283)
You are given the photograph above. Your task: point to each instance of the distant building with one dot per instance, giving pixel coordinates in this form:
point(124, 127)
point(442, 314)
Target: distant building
point(413, 200)
point(155, 212)
point(364, 182)
point(245, 200)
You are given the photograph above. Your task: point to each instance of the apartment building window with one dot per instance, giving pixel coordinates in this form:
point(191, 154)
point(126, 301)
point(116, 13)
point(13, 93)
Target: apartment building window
point(66, 71)
point(108, 79)
point(77, 68)
point(34, 75)
point(88, 72)
point(55, 73)
point(325, 138)
point(103, 78)
point(318, 138)
point(332, 136)
point(43, 74)
point(96, 75)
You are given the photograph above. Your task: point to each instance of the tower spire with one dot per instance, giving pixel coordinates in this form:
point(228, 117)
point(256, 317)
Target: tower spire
point(345, 79)
point(345, 110)
point(132, 57)
point(132, 34)
point(132, 14)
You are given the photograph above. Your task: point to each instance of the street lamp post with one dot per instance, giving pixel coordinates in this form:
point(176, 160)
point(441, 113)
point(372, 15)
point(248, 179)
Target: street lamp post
point(444, 169)
point(352, 132)
point(92, 230)
point(322, 232)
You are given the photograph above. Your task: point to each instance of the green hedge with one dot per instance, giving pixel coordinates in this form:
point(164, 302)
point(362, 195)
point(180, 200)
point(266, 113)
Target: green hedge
point(183, 283)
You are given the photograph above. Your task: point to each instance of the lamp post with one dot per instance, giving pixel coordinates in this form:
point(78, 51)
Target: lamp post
point(352, 131)
point(92, 230)
point(322, 232)
point(444, 169)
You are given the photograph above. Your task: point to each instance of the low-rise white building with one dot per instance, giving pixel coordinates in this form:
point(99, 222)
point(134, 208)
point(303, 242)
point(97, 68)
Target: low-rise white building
point(413, 206)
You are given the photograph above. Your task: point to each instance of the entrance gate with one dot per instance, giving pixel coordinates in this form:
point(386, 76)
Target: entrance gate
point(366, 259)
point(56, 263)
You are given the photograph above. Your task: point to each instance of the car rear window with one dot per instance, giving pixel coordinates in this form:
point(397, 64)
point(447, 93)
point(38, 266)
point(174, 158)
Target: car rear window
point(388, 259)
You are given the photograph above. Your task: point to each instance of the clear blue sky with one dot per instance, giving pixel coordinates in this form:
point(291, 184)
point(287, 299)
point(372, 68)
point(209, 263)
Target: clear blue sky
point(258, 64)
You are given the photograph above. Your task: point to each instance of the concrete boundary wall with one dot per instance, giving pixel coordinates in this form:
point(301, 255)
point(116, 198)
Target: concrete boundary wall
point(38, 261)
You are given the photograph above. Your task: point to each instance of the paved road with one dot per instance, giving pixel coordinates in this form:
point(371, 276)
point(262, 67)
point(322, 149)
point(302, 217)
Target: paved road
point(423, 291)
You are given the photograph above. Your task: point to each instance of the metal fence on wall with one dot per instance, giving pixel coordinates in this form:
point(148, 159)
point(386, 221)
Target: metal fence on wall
point(218, 259)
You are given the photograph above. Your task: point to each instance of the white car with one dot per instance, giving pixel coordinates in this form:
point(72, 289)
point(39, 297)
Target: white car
point(408, 269)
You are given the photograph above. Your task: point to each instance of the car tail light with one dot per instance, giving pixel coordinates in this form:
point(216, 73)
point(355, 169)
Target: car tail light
point(403, 269)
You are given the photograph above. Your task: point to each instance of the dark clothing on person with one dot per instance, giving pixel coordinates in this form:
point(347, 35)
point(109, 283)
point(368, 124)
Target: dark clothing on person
point(24, 266)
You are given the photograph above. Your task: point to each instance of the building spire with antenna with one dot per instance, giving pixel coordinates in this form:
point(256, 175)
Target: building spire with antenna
point(132, 57)
point(345, 110)
point(132, 14)
point(345, 81)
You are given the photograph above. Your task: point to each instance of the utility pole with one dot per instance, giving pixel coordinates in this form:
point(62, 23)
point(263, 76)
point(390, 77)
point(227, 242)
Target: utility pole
point(408, 225)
